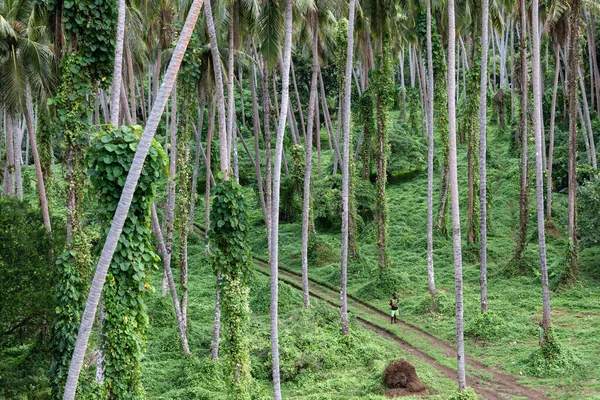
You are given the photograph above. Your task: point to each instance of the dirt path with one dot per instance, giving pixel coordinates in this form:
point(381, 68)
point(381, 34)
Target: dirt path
point(494, 385)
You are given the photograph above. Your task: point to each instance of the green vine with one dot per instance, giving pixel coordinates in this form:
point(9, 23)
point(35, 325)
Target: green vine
point(229, 229)
point(384, 96)
point(126, 318)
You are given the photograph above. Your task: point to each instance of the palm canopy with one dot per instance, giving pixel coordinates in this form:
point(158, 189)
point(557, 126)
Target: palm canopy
point(26, 58)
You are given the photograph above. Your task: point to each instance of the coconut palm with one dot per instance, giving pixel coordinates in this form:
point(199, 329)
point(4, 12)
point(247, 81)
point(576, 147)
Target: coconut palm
point(26, 65)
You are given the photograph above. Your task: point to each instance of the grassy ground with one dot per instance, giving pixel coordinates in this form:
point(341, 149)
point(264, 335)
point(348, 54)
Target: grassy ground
point(516, 300)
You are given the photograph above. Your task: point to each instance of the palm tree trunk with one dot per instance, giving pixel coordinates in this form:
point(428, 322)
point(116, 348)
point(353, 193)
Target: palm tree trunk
point(36, 160)
point(257, 166)
point(131, 76)
point(572, 175)
point(539, 166)
point(198, 137)
point(458, 283)
point(18, 142)
point(299, 103)
point(115, 94)
point(430, 154)
point(346, 170)
point(483, 154)
point(9, 189)
point(551, 148)
point(588, 120)
point(318, 136)
point(274, 259)
point(523, 192)
point(125, 202)
point(219, 92)
point(170, 206)
point(230, 84)
point(308, 138)
point(266, 101)
point(169, 274)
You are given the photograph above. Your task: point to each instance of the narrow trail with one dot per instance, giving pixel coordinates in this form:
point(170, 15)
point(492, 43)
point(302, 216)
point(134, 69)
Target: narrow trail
point(486, 381)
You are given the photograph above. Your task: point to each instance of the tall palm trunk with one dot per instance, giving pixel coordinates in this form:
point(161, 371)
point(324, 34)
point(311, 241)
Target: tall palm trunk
point(170, 206)
point(18, 143)
point(312, 105)
point(125, 202)
point(346, 169)
point(430, 153)
point(9, 188)
point(115, 94)
point(551, 148)
point(257, 131)
point(539, 165)
point(266, 102)
point(572, 180)
point(523, 192)
point(482, 156)
point(198, 137)
point(230, 83)
point(453, 177)
point(274, 259)
point(219, 92)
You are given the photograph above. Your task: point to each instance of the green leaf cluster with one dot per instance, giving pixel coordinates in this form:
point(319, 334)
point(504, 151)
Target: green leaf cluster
point(231, 257)
point(125, 312)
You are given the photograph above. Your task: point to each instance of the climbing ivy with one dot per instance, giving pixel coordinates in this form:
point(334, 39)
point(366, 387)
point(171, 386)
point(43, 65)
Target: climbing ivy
point(126, 318)
point(383, 90)
point(229, 228)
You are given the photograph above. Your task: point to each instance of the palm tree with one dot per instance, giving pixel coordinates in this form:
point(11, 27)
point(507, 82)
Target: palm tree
point(115, 95)
point(118, 221)
point(482, 155)
point(346, 168)
point(536, 119)
point(453, 177)
point(274, 260)
point(312, 106)
point(26, 62)
point(430, 153)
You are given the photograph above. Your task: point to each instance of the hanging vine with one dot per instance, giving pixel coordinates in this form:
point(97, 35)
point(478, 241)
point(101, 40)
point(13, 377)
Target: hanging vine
point(126, 317)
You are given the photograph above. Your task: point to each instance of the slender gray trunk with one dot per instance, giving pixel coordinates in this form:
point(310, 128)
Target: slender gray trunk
point(588, 120)
point(551, 148)
point(483, 154)
point(198, 137)
point(453, 176)
point(430, 154)
point(539, 166)
point(18, 143)
point(118, 221)
point(257, 132)
point(346, 170)
point(9, 189)
point(115, 94)
point(274, 259)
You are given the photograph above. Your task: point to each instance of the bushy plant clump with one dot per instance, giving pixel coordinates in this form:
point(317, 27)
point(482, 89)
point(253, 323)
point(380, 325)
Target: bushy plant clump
point(551, 359)
point(486, 326)
point(467, 394)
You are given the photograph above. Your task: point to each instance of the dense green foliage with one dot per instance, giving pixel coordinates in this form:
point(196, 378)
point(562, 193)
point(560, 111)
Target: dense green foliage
point(231, 257)
point(125, 312)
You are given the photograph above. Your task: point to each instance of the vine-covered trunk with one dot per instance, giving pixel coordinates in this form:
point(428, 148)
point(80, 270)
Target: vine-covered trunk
point(198, 138)
point(453, 177)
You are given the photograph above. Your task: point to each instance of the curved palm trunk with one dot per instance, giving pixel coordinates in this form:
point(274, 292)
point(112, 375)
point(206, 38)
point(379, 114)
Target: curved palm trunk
point(169, 274)
point(346, 169)
point(125, 202)
point(539, 166)
point(453, 177)
point(312, 105)
point(551, 148)
point(482, 156)
point(115, 94)
point(430, 153)
point(274, 259)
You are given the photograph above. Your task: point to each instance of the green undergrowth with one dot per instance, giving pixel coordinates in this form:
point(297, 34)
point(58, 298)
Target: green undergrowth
point(507, 337)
